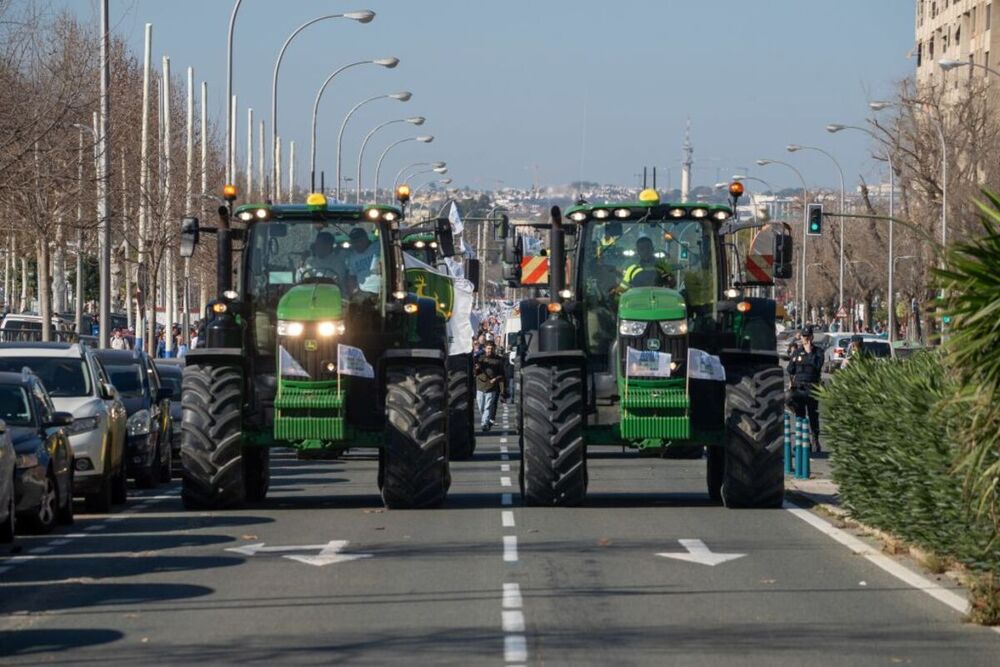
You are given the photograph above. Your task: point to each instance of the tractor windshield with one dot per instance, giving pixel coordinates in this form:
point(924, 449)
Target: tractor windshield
point(283, 254)
point(617, 256)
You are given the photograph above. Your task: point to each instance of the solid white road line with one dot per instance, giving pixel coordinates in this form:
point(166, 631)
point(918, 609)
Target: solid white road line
point(507, 518)
point(507, 499)
point(515, 648)
point(513, 620)
point(505, 481)
point(939, 593)
point(512, 596)
point(509, 549)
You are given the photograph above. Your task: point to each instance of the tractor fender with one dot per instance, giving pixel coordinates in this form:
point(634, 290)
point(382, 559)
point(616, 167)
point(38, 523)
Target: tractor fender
point(216, 356)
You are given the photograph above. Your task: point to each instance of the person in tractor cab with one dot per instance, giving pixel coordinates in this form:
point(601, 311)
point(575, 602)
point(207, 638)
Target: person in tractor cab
point(363, 263)
point(322, 260)
point(648, 271)
point(805, 368)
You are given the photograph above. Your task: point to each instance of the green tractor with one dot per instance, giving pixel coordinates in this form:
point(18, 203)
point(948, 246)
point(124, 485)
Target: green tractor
point(320, 348)
point(429, 276)
point(637, 292)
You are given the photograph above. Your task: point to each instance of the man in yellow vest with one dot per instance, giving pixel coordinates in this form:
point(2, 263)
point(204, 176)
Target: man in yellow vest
point(647, 271)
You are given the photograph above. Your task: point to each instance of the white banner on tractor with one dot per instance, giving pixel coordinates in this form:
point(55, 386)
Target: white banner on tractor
point(460, 327)
point(352, 361)
point(705, 366)
point(647, 363)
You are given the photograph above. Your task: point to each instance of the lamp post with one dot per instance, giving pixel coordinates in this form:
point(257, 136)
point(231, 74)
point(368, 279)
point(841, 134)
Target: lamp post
point(424, 139)
point(415, 120)
point(440, 181)
point(805, 225)
point(403, 96)
point(948, 64)
point(833, 128)
point(363, 16)
point(388, 63)
point(399, 174)
point(793, 148)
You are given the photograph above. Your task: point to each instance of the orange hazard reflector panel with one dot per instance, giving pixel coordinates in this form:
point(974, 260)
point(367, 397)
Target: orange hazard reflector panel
point(534, 270)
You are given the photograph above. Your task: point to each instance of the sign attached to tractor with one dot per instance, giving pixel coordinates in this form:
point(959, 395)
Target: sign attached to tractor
point(760, 258)
point(534, 270)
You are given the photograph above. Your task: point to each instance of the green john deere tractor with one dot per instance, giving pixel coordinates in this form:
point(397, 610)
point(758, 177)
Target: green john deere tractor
point(320, 348)
point(429, 276)
point(645, 289)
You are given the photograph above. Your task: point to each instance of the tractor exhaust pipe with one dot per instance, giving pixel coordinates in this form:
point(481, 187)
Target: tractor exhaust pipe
point(556, 333)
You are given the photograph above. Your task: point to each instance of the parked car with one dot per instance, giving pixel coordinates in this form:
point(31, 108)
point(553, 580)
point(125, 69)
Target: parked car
point(170, 375)
point(147, 403)
point(78, 384)
point(8, 507)
point(28, 327)
point(836, 351)
point(43, 480)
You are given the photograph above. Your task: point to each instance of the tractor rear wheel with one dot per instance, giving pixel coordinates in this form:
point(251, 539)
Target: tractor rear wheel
point(211, 437)
point(553, 455)
point(414, 460)
point(754, 474)
point(256, 472)
point(461, 417)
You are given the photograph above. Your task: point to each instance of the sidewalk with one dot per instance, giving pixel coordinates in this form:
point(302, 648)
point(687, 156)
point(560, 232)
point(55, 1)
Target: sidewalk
point(820, 487)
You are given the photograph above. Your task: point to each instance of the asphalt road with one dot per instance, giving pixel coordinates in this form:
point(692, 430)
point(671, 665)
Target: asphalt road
point(323, 575)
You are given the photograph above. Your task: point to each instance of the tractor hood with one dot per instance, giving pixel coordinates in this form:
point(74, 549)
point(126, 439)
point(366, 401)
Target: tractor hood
point(651, 303)
point(314, 301)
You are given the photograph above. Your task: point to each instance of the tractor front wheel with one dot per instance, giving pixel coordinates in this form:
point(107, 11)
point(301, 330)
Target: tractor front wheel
point(553, 455)
point(211, 437)
point(754, 473)
point(414, 462)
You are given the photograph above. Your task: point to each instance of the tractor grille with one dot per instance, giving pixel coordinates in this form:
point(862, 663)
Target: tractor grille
point(675, 346)
point(313, 353)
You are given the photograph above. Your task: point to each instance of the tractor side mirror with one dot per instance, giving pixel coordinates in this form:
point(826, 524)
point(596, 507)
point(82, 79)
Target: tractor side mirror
point(472, 271)
point(189, 235)
point(513, 249)
point(501, 229)
point(445, 238)
point(512, 273)
point(783, 255)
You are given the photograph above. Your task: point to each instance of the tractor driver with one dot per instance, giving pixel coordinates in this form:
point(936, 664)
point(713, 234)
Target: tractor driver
point(647, 272)
point(322, 260)
point(363, 268)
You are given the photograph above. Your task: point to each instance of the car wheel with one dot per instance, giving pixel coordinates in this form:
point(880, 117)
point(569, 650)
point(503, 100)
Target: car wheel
point(8, 528)
point(43, 519)
point(64, 514)
point(166, 467)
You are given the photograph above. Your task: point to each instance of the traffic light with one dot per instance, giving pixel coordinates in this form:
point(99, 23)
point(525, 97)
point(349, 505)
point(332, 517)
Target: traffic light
point(814, 226)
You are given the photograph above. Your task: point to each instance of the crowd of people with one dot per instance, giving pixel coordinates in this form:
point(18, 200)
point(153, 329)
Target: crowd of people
point(123, 338)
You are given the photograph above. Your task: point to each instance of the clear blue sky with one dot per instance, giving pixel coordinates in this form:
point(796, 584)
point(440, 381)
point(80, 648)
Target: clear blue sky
point(580, 88)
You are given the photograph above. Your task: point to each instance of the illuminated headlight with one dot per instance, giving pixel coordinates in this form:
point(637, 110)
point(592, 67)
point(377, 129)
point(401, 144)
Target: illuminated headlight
point(345, 244)
point(659, 254)
point(26, 461)
point(578, 216)
point(82, 425)
point(720, 215)
point(629, 252)
point(373, 213)
point(331, 328)
point(622, 212)
point(632, 327)
point(219, 308)
point(699, 212)
point(230, 294)
point(419, 244)
point(262, 213)
point(389, 216)
point(399, 295)
point(601, 213)
point(289, 328)
point(566, 294)
point(676, 213)
point(138, 424)
point(246, 216)
point(732, 293)
point(434, 244)
point(674, 327)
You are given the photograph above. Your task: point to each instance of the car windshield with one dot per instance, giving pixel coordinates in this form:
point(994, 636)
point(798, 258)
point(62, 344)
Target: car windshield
point(288, 253)
point(172, 382)
point(62, 377)
point(127, 379)
point(14, 406)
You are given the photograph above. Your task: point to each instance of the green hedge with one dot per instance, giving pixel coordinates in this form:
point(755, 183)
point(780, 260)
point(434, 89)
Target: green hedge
point(887, 425)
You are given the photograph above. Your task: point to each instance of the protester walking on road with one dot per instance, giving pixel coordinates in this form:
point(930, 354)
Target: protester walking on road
point(805, 369)
point(489, 370)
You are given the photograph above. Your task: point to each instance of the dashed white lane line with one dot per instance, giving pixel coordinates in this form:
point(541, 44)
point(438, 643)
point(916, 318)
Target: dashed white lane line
point(507, 499)
point(507, 518)
point(512, 596)
point(509, 548)
point(62, 541)
point(515, 648)
point(513, 620)
point(505, 481)
point(96, 526)
point(504, 449)
point(503, 441)
point(505, 467)
point(44, 549)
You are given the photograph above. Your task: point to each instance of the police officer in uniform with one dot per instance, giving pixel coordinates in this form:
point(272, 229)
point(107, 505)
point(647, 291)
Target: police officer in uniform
point(804, 369)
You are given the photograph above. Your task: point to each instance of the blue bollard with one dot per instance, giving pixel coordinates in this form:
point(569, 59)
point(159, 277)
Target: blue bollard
point(806, 448)
point(788, 443)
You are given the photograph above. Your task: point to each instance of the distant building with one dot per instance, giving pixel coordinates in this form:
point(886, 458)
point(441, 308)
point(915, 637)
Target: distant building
point(957, 30)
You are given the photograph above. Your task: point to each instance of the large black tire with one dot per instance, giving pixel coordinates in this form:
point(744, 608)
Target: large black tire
point(149, 477)
point(754, 474)
point(211, 437)
point(553, 455)
point(256, 472)
point(461, 413)
point(9, 526)
point(414, 467)
point(715, 468)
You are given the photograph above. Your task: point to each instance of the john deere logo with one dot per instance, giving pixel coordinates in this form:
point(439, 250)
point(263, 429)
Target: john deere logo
point(652, 344)
point(311, 346)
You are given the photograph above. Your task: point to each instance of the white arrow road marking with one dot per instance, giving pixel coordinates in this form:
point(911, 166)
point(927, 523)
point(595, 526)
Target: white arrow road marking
point(329, 553)
point(697, 552)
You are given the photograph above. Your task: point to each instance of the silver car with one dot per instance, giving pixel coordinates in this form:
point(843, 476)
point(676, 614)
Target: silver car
point(78, 384)
point(8, 516)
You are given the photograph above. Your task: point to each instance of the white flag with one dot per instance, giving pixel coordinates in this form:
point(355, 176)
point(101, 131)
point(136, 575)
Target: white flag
point(705, 366)
point(647, 363)
point(288, 367)
point(351, 361)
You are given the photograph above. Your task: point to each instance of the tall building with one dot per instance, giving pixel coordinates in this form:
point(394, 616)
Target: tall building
point(957, 30)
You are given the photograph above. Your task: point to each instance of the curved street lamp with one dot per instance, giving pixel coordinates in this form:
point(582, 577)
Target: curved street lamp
point(362, 16)
point(415, 120)
point(803, 303)
point(440, 181)
point(403, 96)
point(388, 63)
point(424, 139)
point(399, 174)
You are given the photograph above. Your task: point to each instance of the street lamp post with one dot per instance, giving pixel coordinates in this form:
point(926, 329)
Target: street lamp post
point(949, 64)
point(414, 120)
point(399, 174)
point(403, 96)
point(440, 181)
point(793, 148)
point(834, 128)
point(363, 16)
point(229, 92)
point(388, 63)
point(803, 302)
point(424, 139)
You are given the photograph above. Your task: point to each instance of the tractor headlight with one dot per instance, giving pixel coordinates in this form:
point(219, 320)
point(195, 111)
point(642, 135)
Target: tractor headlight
point(328, 329)
point(632, 327)
point(138, 424)
point(674, 327)
point(289, 328)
